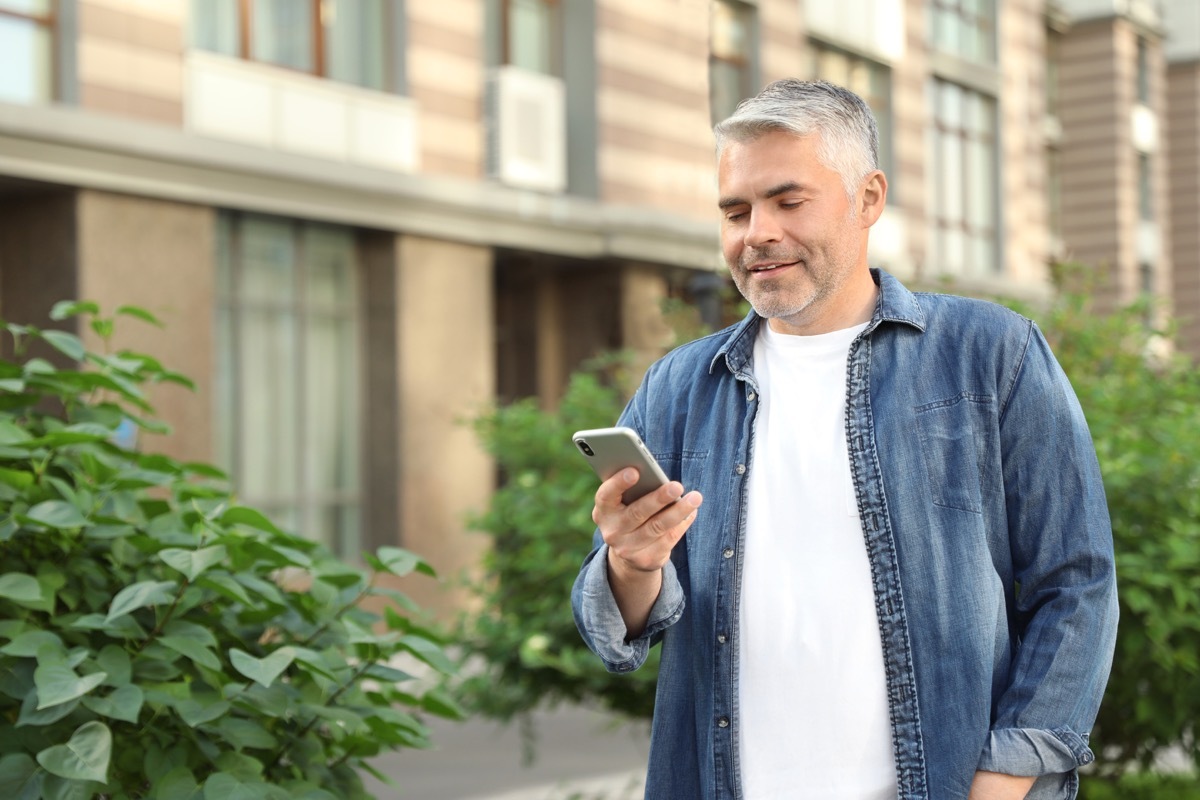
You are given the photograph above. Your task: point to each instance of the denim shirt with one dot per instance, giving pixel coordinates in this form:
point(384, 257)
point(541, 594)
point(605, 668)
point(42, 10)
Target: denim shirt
point(986, 528)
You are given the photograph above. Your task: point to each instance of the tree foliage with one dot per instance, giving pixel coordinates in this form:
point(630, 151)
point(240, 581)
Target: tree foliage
point(157, 638)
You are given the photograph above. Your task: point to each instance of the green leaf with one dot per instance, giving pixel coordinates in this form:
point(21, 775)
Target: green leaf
point(243, 515)
point(262, 671)
point(399, 561)
point(85, 756)
point(20, 588)
point(178, 784)
point(57, 788)
point(16, 478)
point(244, 733)
point(223, 786)
point(141, 595)
point(192, 562)
point(32, 716)
point(139, 313)
point(192, 649)
point(125, 704)
point(429, 652)
point(27, 644)
point(11, 433)
point(115, 662)
point(57, 683)
point(20, 777)
point(227, 586)
point(56, 514)
point(70, 308)
point(198, 712)
point(66, 343)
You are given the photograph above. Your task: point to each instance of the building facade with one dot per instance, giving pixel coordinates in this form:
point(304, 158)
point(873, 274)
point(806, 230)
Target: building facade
point(362, 221)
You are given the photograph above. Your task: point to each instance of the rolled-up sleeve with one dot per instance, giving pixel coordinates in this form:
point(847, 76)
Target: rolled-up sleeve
point(599, 619)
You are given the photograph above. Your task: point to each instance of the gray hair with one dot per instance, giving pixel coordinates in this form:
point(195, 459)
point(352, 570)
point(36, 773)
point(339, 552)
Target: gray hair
point(848, 140)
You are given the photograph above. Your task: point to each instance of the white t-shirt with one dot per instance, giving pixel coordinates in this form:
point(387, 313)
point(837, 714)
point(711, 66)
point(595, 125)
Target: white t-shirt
point(813, 711)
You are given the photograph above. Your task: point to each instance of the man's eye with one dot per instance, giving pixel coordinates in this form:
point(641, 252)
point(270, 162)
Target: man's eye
point(735, 216)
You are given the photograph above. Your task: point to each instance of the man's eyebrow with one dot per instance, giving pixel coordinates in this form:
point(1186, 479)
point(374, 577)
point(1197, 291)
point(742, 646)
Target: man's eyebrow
point(774, 191)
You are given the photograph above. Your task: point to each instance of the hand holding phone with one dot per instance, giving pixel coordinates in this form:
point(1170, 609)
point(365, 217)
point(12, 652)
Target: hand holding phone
point(610, 450)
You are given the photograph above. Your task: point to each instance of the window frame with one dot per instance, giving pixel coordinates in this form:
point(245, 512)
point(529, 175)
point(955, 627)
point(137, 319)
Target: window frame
point(937, 221)
point(320, 67)
point(306, 504)
point(51, 21)
point(745, 64)
point(987, 24)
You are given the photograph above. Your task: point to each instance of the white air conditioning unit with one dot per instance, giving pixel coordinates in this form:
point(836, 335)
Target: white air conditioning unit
point(526, 129)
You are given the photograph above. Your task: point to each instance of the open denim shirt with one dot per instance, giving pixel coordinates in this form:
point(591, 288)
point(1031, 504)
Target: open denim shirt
point(986, 528)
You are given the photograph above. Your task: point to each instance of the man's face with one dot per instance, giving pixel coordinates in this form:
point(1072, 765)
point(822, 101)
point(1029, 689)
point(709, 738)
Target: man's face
point(790, 235)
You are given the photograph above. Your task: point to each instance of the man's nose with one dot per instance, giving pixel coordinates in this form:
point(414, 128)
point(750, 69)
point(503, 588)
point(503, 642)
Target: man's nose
point(763, 229)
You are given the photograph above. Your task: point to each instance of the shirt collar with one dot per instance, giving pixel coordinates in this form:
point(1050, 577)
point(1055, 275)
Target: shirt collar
point(896, 304)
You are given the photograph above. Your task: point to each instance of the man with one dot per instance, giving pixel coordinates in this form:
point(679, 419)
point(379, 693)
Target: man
point(900, 582)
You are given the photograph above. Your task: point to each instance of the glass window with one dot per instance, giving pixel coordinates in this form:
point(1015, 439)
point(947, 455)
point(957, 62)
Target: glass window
point(870, 80)
point(288, 372)
point(964, 28)
point(730, 73)
point(1143, 72)
point(1145, 188)
point(532, 31)
point(27, 45)
point(963, 214)
point(344, 40)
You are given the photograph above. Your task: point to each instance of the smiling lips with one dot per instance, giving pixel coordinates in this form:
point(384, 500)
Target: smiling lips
point(768, 266)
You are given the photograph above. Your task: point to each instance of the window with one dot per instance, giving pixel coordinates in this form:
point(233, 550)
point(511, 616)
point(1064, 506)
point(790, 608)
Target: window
point(730, 71)
point(1145, 179)
point(868, 79)
point(288, 373)
point(965, 28)
point(27, 44)
point(963, 181)
point(532, 35)
point(344, 40)
point(1143, 72)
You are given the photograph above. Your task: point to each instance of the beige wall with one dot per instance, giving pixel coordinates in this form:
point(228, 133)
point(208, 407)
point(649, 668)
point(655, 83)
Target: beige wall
point(446, 353)
point(1183, 151)
point(446, 76)
point(157, 255)
point(655, 142)
point(131, 58)
point(1025, 234)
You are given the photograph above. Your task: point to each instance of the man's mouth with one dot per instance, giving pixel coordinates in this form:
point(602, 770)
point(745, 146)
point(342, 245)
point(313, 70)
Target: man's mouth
point(768, 266)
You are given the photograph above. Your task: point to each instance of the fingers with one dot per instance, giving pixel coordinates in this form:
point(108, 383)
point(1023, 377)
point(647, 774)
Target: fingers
point(642, 534)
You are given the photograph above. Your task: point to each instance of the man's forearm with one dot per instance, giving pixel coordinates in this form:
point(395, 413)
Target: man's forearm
point(635, 592)
point(997, 786)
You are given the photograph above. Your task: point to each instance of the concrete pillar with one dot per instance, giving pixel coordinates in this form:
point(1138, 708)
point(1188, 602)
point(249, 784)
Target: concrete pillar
point(644, 331)
point(157, 255)
point(446, 365)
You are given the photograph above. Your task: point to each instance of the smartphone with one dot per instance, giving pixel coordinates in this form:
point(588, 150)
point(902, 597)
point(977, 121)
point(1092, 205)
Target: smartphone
point(610, 450)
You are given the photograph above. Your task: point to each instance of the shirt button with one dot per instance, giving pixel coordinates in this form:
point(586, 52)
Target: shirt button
point(728, 552)
point(740, 469)
point(750, 397)
point(722, 638)
point(723, 722)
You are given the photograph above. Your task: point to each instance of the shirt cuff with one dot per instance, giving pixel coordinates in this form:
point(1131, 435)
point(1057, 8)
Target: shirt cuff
point(1034, 751)
point(602, 618)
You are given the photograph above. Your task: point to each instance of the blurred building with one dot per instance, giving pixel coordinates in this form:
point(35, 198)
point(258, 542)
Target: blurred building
point(363, 220)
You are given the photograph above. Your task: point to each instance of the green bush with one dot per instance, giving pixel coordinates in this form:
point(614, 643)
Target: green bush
point(1143, 407)
point(541, 528)
point(1140, 786)
point(161, 640)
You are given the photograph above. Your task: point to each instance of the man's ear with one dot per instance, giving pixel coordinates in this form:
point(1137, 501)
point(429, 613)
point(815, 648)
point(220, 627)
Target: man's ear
point(871, 198)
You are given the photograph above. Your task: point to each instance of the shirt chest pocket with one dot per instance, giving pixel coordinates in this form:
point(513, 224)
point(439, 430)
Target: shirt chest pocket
point(954, 441)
